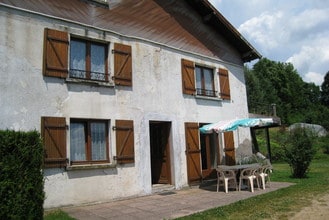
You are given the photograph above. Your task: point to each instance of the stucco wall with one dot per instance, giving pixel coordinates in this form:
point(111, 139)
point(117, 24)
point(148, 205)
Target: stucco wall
point(26, 96)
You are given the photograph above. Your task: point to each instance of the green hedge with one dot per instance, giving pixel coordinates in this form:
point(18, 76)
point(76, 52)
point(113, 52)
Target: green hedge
point(21, 177)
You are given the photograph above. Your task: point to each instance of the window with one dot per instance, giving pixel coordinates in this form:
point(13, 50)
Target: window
point(201, 81)
point(85, 60)
point(204, 81)
point(88, 60)
point(88, 141)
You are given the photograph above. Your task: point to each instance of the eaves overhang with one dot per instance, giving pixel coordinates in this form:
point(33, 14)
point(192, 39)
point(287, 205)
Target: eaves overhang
point(212, 17)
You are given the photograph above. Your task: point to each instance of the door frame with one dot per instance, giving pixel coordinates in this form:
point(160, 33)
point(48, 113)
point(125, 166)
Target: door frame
point(164, 128)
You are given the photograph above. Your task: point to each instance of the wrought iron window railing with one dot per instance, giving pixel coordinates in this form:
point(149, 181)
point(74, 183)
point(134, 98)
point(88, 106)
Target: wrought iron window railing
point(206, 92)
point(82, 74)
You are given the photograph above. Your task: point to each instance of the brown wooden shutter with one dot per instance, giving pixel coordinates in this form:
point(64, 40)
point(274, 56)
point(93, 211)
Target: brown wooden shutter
point(56, 46)
point(224, 84)
point(53, 132)
point(124, 141)
point(188, 78)
point(229, 148)
point(193, 152)
point(122, 65)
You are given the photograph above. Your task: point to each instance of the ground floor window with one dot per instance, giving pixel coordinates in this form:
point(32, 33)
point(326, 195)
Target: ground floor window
point(88, 141)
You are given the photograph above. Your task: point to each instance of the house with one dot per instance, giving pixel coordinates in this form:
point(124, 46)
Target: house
point(118, 90)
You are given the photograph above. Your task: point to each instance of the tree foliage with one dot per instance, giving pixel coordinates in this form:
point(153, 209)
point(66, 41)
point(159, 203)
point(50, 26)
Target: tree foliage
point(325, 90)
point(270, 82)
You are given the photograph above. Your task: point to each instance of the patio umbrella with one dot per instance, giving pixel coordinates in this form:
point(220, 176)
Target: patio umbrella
point(231, 125)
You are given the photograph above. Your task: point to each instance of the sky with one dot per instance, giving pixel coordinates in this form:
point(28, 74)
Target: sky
point(295, 31)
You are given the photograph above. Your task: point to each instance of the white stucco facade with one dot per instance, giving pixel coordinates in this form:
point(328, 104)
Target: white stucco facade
point(156, 95)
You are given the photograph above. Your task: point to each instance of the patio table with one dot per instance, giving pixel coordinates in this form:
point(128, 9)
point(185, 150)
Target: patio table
point(238, 168)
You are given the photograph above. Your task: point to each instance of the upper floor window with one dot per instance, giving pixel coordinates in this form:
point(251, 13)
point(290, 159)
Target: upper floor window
point(88, 60)
point(200, 80)
point(204, 81)
point(85, 60)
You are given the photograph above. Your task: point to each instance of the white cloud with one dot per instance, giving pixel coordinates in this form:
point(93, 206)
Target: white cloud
point(295, 31)
point(312, 58)
point(316, 78)
point(305, 25)
point(265, 30)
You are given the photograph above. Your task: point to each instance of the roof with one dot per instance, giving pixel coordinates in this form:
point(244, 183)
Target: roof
point(215, 18)
point(276, 120)
point(190, 25)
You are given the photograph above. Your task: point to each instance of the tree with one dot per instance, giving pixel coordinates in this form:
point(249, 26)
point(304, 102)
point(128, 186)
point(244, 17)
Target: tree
point(325, 90)
point(260, 89)
point(271, 82)
point(278, 83)
point(255, 94)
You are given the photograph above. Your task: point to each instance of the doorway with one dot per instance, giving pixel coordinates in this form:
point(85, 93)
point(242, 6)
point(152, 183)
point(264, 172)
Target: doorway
point(209, 154)
point(160, 152)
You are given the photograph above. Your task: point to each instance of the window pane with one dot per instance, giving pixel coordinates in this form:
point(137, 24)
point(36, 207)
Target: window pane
point(98, 141)
point(97, 62)
point(208, 79)
point(198, 77)
point(78, 59)
point(77, 142)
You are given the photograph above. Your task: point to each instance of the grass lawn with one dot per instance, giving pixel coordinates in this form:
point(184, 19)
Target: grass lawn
point(57, 215)
point(280, 204)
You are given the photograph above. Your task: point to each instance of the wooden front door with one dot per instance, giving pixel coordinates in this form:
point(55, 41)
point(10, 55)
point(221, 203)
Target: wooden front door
point(193, 153)
point(160, 152)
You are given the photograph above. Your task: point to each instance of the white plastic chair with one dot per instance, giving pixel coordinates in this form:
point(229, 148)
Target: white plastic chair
point(265, 174)
point(249, 174)
point(224, 176)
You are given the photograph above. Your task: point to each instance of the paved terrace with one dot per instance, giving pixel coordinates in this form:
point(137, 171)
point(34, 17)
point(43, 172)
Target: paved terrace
point(167, 204)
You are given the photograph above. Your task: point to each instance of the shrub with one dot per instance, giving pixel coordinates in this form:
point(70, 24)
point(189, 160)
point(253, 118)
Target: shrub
point(324, 144)
point(299, 151)
point(21, 177)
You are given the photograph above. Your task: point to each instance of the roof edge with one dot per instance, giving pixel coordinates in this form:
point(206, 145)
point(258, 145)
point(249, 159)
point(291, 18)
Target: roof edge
point(252, 54)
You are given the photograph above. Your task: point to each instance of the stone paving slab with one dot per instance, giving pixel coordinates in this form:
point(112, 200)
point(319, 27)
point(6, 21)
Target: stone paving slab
point(171, 205)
